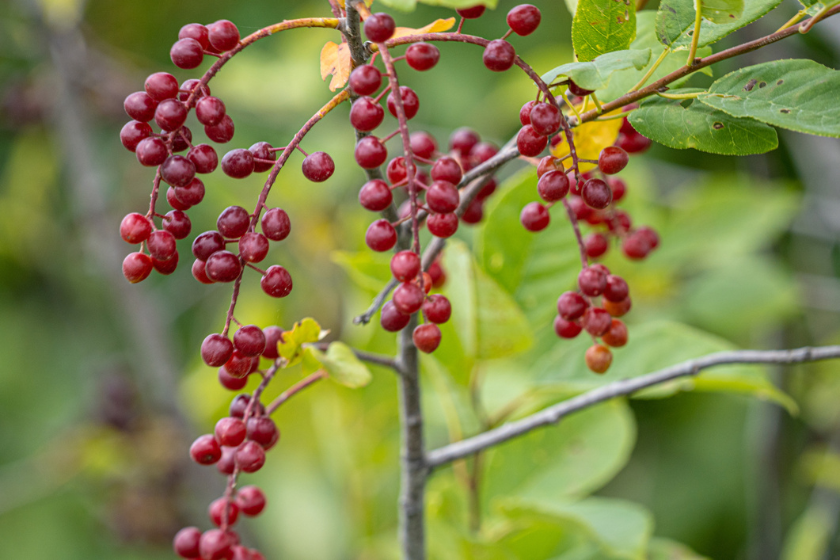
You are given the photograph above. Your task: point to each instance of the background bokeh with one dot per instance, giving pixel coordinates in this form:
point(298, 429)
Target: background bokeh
point(102, 387)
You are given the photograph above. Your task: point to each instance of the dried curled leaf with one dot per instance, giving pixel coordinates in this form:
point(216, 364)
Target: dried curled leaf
point(336, 61)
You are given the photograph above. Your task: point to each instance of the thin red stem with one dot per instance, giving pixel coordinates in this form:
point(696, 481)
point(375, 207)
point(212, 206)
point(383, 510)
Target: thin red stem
point(294, 390)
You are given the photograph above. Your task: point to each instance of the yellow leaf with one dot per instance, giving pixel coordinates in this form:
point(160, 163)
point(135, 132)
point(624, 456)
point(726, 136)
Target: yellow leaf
point(436, 26)
point(590, 138)
point(367, 3)
point(335, 60)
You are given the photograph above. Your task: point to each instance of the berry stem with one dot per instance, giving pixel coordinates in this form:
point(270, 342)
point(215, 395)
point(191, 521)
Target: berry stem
point(576, 227)
point(295, 389)
point(155, 193)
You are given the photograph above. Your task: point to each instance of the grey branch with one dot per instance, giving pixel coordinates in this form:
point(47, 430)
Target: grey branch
point(553, 414)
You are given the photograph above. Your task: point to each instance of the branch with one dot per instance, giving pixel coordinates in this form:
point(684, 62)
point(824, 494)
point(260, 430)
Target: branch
point(553, 414)
point(370, 357)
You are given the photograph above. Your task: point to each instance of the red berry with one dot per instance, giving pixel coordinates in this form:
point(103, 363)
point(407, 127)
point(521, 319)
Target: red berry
point(381, 236)
point(592, 281)
point(216, 350)
point(210, 111)
point(649, 234)
point(379, 27)
point(187, 54)
point(133, 132)
point(471, 13)
point(618, 309)
point(177, 223)
point(216, 544)
point(249, 340)
point(596, 194)
point(223, 35)
point(221, 508)
point(178, 171)
point(616, 336)
point(135, 228)
point(222, 132)
point(408, 298)
point(223, 266)
point(618, 188)
point(617, 289)
point(253, 247)
point(392, 319)
point(230, 383)
point(365, 80)
point(598, 358)
point(262, 150)
point(161, 245)
point(525, 113)
point(170, 114)
point(633, 143)
point(474, 212)
point(195, 31)
point(596, 245)
point(579, 207)
point(553, 186)
point(136, 267)
point(447, 169)
point(182, 139)
point(277, 281)
point(167, 266)
point(151, 152)
point(318, 167)
point(233, 222)
point(205, 450)
point(437, 309)
point(636, 246)
point(370, 152)
point(566, 329)
point(366, 114)
point(230, 431)
point(499, 55)
point(263, 430)
point(423, 144)
point(524, 19)
point(442, 225)
point(442, 197)
point(240, 403)
point(204, 158)
point(206, 244)
point(530, 142)
point(612, 160)
point(437, 275)
point(411, 103)
point(251, 500)
point(397, 170)
point(192, 86)
point(463, 140)
point(483, 151)
point(238, 163)
point(534, 216)
point(405, 265)
point(577, 90)
point(571, 306)
point(422, 56)
point(596, 321)
point(186, 541)
point(273, 335)
point(375, 195)
point(250, 457)
point(239, 365)
point(161, 85)
point(140, 106)
point(545, 118)
point(426, 337)
point(276, 224)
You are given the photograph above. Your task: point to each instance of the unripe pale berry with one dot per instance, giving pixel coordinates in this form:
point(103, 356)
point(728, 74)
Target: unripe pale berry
point(598, 358)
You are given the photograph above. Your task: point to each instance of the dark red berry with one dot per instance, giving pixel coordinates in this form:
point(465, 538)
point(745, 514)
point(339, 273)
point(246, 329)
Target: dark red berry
point(411, 103)
point(205, 450)
point(222, 132)
point(186, 542)
point(423, 144)
point(240, 403)
point(617, 289)
point(633, 143)
point(598, 358)
point(238, 163)
point(199, 272)
point(553, 186)
point(488, 189)
point(545, 118)
point(233, 222)
point(463, 140)
point(375, 195)
point(263, 430)
point(251, 500)
point(216, 544)
point(566, 329)
point(379, 27)
point(192, 194)
point(239, 365)
point(161, 85)
point(596, 194)
point(392, 319)
point(499, 55)
point(161, 245)
point(135, 228)
point(437, 275)
point(408, 298)
point(370, 152)
point(524, 19)
point(318, 167)
point(193, 86)
point(483, 151)
point(223, 35)
point(596, 245)
point(436, 309)
point(426, 337)
point(204, 158)
point(222, 510)
point(422, 56)
point(174, 201)
point(577, 90)
point(381, 236)
point(397, 171)
point(277, 281)
point(177, 223)
point(405, 265)
point(365, 80)
point(649, 234)
point(273, 335)
point(592, 281)
point(195, 31)
point(525, 113)
point(216, 350)
point(596, 321)
point(151, 152)
point(230, 383)
point(530, 142)
point(187, 54)
point(579, 207)
point(253, 247)
point(182, 139)
point(442, 197)
point(571, 306)
point(534, 216)
point(276, 224)
point(474, 212)
point(250, 457)
point(230, 431)
point(447, 169)
point(206, 244)
point(167, 266)
point(178, 171)
point(442, 225)
point(612, 160)
point(170, 114)
point(249, 340)
point(136, 267)
point(133, 132)
point(223, 266)
point(210, 111)
point(471, 13)
point(616, 336)
point(366, 114)
point(636, 246)
point(140, 106)
point(262, 150)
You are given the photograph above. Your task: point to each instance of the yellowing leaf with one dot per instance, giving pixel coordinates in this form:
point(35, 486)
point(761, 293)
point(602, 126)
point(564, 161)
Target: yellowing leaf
point(336, 61)
point(590, 138)
point(436, 26)
point(307, 330)
point(367, 2)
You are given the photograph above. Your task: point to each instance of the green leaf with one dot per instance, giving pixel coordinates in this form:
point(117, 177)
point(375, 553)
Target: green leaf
point(489, 322)
point(721, 11)
point(602, 26)
point(654, 346)
point(810, 536)
point(701, 127)
point(343, 365)
point(571, 459)
point(304, 332)
point(596, 74)
point(369, 270)
point(666, 549)
point(799, 95)
point(675, 20)
point(534, 268)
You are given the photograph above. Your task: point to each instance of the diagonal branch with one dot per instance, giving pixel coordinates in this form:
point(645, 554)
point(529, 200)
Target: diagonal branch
point(554, 414)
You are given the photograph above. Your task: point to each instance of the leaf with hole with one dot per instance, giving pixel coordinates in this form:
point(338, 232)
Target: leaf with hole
point(602, 26)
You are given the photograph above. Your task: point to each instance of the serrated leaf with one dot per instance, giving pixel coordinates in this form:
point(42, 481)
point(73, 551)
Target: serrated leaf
point(336, 62)
point(675, 21)
point(342, 365)
point(596, 73)
point(701, 127)
point(602, 26)
point(303, 332)
point(437, 26)
point(799, 95)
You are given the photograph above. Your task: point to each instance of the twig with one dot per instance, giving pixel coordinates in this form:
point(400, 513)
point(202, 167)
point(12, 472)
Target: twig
point(377, 359)
point(553, 414)
point(294, 390)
